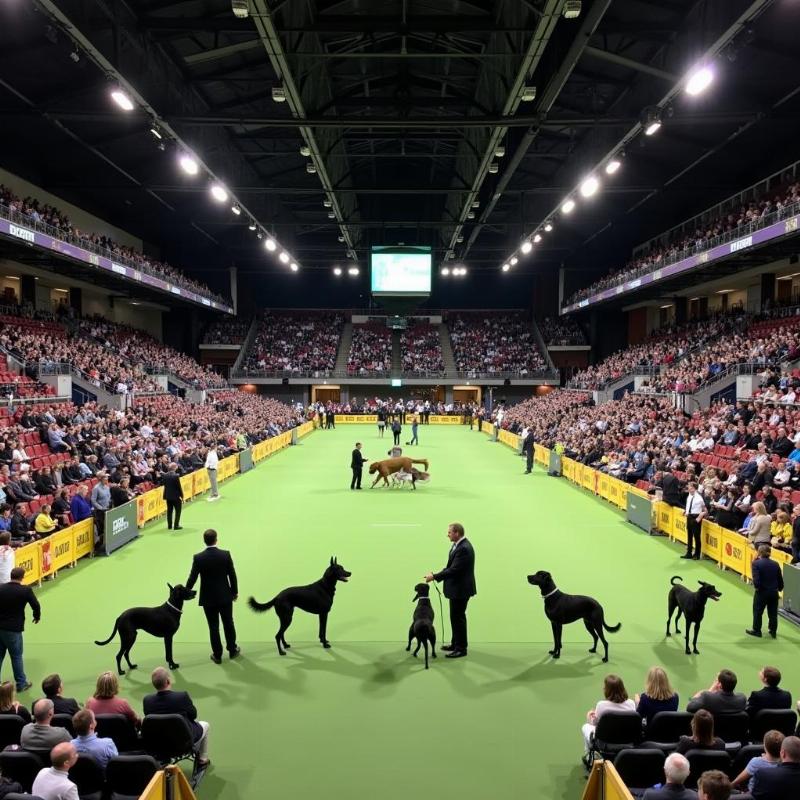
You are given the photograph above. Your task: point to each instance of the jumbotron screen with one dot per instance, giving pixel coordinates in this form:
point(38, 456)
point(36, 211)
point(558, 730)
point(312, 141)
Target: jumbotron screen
point(401, 271)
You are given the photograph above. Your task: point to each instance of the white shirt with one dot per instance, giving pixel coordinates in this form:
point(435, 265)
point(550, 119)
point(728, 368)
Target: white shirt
point(6, 563)
point(212, 459)
point(694, 504)
point(54, 784)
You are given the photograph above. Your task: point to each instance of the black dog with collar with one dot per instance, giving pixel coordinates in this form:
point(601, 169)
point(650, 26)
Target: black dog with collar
point(422, 625)
point(692, 605)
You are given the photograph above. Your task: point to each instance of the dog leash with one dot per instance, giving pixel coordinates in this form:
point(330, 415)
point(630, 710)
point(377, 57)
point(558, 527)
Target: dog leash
point(441, 612)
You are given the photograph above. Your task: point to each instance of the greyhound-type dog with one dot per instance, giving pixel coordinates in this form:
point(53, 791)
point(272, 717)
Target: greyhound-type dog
point(692, 605)
point(162, 621)
point(561, 609)
point(316, 598)
point(422, 624)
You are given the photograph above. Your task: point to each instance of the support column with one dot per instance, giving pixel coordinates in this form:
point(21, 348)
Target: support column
point(681, 310)
point(767, 289)
point(234, 290)
point(27, 290)
point(76, 299)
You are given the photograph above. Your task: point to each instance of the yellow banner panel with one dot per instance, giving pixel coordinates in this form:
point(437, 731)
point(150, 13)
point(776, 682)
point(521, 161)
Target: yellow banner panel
point(84, 538)
point(734, 551)
point(711, 537)
point(29, 558)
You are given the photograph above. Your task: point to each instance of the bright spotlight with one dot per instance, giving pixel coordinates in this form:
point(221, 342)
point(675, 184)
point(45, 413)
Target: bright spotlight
point(526, 247)
point(548, 226)
point(293, 267)
point(589, 186)
point(613, 166)
point(337, 271)
point(284, 257)
point(271, 244)
point(236, 210)
point(445, 271)
point(537, 238)
point(652, 128)
point(568, 206)
point(218, 193)
point(122, 100)
point(251, 226)
point(352, 271)
point(514, 261)
point(505, 267)
point(699, 80)
point(188, 164)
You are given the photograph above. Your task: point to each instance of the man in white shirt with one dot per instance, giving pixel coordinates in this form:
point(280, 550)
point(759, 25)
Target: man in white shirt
point(53, 783)
point(212, 462)
point(694, 512)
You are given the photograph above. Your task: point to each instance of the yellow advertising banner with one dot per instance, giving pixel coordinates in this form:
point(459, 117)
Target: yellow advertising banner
point(29, 558)
point(619, 491)
point(541, 455)
point(568, 469)
point(711, 537)
point(153, 504)
point(57, 551)
point(444, 419)
point(227, 467)
point(488, 429)
point(201, 481)
point(664, 517)
point(613, 490)
point(84, 538)
point(357, 419)
point(589, 479)
point(304, 429)
point(734, 551)
point(510, 439)
point(187, 484)
point(602, 485)
point(679, 532)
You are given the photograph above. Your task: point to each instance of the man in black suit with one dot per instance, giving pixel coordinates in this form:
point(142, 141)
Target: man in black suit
point(459, 586)
point(768, 582)
point(357, 462)
point(771, 696)
point(670, 488)
point(13, 599)
point(721, 697)
point(173, 494)
point(783, 781)
point(527, 449)
point(218, 591)
point(167, 701)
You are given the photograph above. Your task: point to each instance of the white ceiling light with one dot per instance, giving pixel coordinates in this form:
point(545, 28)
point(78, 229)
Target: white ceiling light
point(548, 226)
point(652, 128)
point(526, 247)
point(568, 206)
point(514, 261)
point(613, 166)
point(188, 164)
point(156, 132)
point(340, 238)
point(327, 203)
point(528, 94)
point(699, 80)
point(236, 210)
point(293, 267)
point(537, 238)
point(311, 169)
point(494, 168)
point(505, 267)
point(459, 238)
point(284, 257)
point(476, 203)
point(305, 151)
point(331, 215)
point(278, 94)
point(445, 271)
point(572, 9)
point(500, 151)
point(218, 193)
point(240, 9)
point(589, 186)
point(651, 120)
point(251, 226)
point(271, 244)
point(352, 271)
point(337, 271)
point(470, 215)
point(122, 100)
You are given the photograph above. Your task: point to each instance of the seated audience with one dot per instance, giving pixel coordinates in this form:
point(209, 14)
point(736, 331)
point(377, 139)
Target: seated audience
point(720, 698)
point(771, 695)
point(702, 737)
point(561, 332)
point(41, 734)
point(783, 782)
point(53, 689)
point(86, 741)
point(658, 695)
point(370, 350)
point(9, 705)
point(53, 783)
point(676, 771)
point(105, 699)
point(421, 347)
point(713, 785)
point(615, 698)
point(771, 758)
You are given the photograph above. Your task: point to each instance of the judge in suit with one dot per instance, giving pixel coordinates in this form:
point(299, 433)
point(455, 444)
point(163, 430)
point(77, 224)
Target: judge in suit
point(459, 586)
point(173, 495)
point(218, 591)
point(357, 462)
point(527, 449)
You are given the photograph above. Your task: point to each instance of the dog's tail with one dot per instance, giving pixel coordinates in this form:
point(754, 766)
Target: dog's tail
point(612, 628)
point(420, 461)
point(675, 578)
point(260, 607)
point(113, 634)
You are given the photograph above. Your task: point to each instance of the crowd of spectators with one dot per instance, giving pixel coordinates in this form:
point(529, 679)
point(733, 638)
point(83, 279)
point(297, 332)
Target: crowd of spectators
point(561, 332)
point(38, 212)
point(370, 350)
point(494, 343)
point(227, 331)
point(405, 407)
point(421, 346)
point(681, 244)
point(295, 343)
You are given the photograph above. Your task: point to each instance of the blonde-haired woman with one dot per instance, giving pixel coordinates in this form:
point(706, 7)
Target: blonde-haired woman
point(105, 700)
point(760, 529)
point(658, 695)
point(9, 705)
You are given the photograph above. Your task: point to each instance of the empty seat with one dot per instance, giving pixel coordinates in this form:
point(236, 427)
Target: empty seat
point(640, 768)
point(20, 766)
point(701, 761)
point(87, 775)
point(733, 729)
point(127, 776)
point(10, 729)
point(667, 727)
point(772, 719)
point(119, 728)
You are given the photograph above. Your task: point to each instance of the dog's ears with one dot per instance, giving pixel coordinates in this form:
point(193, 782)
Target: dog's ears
point(333, 560)
point(702, 583)
point(170, 586)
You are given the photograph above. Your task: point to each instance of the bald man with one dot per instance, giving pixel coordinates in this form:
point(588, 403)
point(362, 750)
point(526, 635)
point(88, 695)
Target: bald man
point(40, 734)
point(53, 783)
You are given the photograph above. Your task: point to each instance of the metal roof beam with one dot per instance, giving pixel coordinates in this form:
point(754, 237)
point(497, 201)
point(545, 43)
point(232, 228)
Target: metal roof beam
point(629, 63)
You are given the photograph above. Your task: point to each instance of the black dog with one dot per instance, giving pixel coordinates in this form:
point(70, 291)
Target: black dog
point(561, 609)
point(316, 598)
point(162, 621)
point(692, 605)
point(422, 625)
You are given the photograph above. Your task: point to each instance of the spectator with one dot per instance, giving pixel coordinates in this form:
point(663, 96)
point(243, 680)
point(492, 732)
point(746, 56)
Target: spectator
point(713, 785)
point(6, 550)
point(53, 783)
point(44, 523)
point(615, 698)
point(86, 741)
point(41, 734)
point(14, 597)
point(9, 705)
point(702, 737)
point(53, 689)
point(105, 699)
point(783, 782)
point(676, 771)
point(771, 758)
point(658, 695)
point(80, 508)
point(720, 698)
point(771, 696)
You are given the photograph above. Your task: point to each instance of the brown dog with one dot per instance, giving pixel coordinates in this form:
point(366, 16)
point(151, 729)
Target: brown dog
point(389, 466)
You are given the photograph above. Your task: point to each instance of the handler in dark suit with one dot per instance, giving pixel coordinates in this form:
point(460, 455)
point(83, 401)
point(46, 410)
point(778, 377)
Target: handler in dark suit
point(357, 462)
point(173, 494)
point(767, 581)
point(459, 586)
point(527, 449)
point(670, 487)
point(218, 590)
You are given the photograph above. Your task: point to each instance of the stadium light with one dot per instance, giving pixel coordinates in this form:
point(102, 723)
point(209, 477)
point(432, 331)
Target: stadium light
point(590, 186)
point(155, 131)
point(526, 247)
point(293, 267)
point(251, 226)
point(537, 238)
point(514, 261)
point(568, 206)
point(188, 164)
point(613, 166)
point(470, 215)
point(651, 120)
point(284, 257)
point(305, 151)
point(122, 99)
point(218, 193)
point(445, 271)
point(310, 168)
point(271, 244)
point(506, 267)
point(337, 271)
point(548, 226)
point(352, 271)
point(236, 210)
point(699, 80)
point(476, 203)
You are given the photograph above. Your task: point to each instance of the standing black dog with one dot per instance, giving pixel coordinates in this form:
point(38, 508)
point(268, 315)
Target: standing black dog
point(162, 621)
point(422, 625)
point(692, 605)
point(561, 609)
point(316, 598)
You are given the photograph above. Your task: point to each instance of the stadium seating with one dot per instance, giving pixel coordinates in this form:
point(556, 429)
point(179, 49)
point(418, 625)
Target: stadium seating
point(421, 347)
point(561, 332)
point(370, 350)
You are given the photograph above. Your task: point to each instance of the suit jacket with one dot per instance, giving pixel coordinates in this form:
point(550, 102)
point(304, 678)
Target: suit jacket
point(671, 488)
point(767, 575)
point(172, 487)
point(171, 702)
point(670, 791)
point(218, 584)
point(357, 460)
point(718, 703)
point(13, 599)
point(459, 574)
point(768, 697)
point(776, 784)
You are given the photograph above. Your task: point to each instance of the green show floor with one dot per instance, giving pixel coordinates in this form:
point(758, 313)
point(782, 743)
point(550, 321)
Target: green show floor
point(364, 717)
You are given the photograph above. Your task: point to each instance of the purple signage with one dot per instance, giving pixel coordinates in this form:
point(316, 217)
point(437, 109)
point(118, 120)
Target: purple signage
point(20, 232)
point(774, 231)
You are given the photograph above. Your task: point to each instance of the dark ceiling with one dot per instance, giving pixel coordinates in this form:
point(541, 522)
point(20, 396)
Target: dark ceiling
point(403, 104)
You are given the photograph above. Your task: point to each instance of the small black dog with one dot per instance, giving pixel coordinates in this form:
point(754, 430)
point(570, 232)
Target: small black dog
point(316, 598)
point(162, 621)
point(692, 605)
point(422, 625)
point(561, 609)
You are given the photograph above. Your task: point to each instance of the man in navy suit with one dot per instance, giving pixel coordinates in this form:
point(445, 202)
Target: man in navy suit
point(167, 701)
point(219, 589)
point(767, 581)
point(459, 586)
point(676, 770)
point(770, 696)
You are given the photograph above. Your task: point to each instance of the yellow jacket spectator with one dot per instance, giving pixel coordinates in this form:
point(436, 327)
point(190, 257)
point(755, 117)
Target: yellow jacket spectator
point(781, 528)
point(45, 524)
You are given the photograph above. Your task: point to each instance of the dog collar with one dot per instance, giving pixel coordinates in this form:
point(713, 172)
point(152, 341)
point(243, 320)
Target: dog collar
point(545, 596)
point(173, 607)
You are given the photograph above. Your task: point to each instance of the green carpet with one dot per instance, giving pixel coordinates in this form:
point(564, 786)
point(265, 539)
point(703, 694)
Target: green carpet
point(364, 718)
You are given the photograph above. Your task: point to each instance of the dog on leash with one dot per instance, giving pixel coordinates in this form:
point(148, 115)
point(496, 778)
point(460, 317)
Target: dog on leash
point(561, 609)
point(422, 624)
point(162, 621)
point(692, 605)
point(400, 478)
point(316, 598)
point(390, 466)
